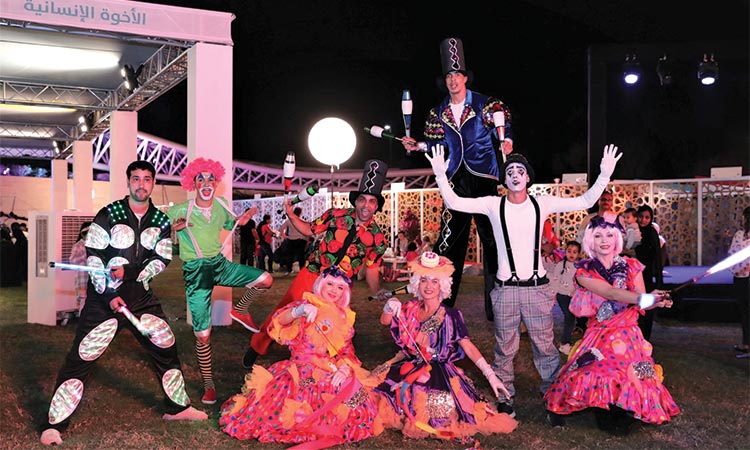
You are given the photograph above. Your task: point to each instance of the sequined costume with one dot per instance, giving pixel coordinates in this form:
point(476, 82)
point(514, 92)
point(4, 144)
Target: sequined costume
point(294, 401)
point(443, 399)
point(612, 365)
point(143, 248)
point(473, 172)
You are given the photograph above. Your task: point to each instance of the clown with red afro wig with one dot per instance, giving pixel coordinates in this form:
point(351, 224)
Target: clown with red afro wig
point(198, 166)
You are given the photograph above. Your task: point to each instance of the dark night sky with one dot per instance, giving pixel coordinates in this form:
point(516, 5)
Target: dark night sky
point(296, 62)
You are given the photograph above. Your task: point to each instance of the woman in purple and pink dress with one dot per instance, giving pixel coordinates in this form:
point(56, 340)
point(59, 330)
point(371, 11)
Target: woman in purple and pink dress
point(611, 369)
point(424, 393)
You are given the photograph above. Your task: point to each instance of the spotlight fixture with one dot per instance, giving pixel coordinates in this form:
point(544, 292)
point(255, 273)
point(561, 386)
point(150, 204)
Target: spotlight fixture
point(664, 71)
point(130, 76)
point(708, 70)
point(59, 146)
point(85, 122)
point(631, 69)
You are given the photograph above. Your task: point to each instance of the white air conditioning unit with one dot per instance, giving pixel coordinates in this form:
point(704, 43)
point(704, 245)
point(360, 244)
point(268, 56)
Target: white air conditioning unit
point(51, 292)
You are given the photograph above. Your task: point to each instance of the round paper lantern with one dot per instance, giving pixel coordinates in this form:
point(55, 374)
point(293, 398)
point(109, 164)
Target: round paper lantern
point(332, 141)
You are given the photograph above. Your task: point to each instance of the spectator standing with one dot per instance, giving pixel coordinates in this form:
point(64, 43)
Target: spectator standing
point(248, 242)
point(266, 244)
point(648, 252)
point(741, 272)
point(295, 244)
point(78, 256)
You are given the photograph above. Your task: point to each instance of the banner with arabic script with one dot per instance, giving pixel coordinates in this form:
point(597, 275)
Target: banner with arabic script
point(124, 16)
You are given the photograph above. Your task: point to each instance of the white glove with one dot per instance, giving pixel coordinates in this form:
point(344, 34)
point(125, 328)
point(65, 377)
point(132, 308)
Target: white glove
point(341, 375)
point(307, 310)
point(393, 307)
point(495, 383)
point(609, 160)
point(437, 161)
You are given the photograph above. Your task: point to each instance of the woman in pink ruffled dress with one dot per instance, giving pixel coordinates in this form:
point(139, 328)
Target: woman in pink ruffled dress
point(611, 369)
point(316, 398)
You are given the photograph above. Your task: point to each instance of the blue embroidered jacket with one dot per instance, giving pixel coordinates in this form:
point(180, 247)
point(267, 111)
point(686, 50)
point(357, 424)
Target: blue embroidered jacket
point(469, 139)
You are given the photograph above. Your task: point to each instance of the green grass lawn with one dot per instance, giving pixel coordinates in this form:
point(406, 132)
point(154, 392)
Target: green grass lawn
point(122, 405)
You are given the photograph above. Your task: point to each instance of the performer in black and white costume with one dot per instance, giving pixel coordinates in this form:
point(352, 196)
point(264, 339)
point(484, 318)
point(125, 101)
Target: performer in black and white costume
point(132, 239)
point(522, 291)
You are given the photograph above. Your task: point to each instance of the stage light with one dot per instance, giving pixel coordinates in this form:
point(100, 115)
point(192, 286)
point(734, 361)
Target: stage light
point(130, 76)
point(59, 146)
point(708, 70)
point(664, 71)
point(22, 56)
point(85, 122)
point(631, 69)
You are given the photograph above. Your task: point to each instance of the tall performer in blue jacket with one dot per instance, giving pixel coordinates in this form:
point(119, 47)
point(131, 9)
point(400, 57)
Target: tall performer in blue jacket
point(465, 123)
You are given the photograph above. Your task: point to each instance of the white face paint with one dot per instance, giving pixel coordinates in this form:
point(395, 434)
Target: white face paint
point(516, 177)
point(205, 184)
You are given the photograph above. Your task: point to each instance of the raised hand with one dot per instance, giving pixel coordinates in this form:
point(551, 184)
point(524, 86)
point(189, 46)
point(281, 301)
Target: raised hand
point(437, 161)
point(609, 160)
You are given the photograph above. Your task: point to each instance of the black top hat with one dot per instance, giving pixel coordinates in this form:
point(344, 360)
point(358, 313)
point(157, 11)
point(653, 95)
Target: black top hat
point(452, 59)
point(519, 159)
point(452, 56)
point(372, 182)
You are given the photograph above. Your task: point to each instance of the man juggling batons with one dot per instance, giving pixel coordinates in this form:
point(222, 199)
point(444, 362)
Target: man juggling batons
point(198, 223)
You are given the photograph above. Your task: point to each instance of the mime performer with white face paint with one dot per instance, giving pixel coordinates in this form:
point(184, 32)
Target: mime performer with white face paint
point(522, 291)
point(198, 224)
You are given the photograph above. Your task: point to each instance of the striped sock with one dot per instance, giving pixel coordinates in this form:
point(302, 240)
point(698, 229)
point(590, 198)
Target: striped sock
point(203, 352)
point(251, 293)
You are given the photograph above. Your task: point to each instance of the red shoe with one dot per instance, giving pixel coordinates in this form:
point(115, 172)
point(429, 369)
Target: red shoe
point(209, 397)
point(246, 320)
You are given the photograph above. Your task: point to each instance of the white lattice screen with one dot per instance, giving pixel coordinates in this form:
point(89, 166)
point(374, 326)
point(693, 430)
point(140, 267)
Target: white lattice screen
point(697, 217)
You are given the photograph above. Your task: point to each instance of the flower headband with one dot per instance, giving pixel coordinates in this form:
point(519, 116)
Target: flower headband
point(601, 222)
point(334, 271)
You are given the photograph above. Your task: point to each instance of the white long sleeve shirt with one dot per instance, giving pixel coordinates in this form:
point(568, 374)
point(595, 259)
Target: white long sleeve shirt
point(519, 220)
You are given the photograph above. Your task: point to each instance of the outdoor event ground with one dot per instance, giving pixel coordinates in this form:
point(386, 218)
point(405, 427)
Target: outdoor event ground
point(122, 406)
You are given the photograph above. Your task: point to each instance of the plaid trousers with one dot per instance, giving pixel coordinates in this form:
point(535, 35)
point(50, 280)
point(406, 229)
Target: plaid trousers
point(532, 305)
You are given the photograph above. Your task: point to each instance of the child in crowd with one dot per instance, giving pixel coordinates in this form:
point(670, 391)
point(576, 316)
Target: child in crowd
point(426, 245)
point(564, 286)
point(632, 232)
point(411, 252)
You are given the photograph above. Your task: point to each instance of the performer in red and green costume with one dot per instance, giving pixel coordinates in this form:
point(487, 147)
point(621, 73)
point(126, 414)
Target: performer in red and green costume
point(198, 224)
point(331, 230)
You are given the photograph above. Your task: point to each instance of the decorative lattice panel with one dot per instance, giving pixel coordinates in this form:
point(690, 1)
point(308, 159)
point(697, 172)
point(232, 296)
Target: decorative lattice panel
point(676, 211)
point(723, 203)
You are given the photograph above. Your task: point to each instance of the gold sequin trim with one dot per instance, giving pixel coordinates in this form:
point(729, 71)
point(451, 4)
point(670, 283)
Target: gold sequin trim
point(309, 381)
point(357, 399)
point(439, 405)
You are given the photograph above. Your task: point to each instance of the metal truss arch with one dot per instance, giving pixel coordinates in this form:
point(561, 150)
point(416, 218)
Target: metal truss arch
point(170, 159)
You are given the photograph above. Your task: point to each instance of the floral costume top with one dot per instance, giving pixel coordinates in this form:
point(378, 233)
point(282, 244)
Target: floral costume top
point(612, 364)
point(294, 400)
point(331, 230)
point(441, 400)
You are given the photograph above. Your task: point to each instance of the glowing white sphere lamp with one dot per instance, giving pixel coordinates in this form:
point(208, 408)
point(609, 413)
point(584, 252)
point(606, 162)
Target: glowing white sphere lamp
point(332, 141)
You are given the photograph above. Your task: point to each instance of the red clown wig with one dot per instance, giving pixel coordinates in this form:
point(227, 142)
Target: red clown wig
point(197, 166)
